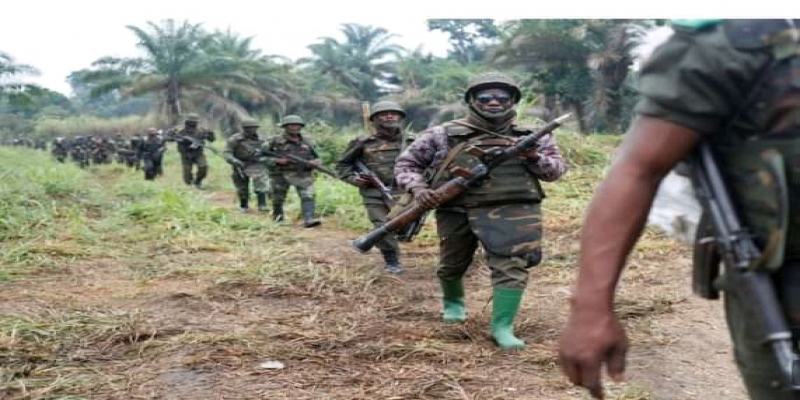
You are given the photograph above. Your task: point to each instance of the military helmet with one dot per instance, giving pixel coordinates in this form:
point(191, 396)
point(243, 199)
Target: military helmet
point(492, 79)
point(292, 119)
point(382, 106)
point(250, 123)
point(192, 117)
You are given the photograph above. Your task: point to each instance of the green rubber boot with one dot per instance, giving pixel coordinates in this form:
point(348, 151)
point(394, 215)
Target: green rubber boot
point(453, 298)
point(505, 304)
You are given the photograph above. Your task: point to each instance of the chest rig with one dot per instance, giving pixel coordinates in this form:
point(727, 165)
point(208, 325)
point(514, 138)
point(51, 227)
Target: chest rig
point(509, 183)
point(379, 154)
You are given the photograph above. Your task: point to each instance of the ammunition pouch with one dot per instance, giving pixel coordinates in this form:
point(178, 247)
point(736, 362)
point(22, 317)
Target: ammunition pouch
point(757, 181)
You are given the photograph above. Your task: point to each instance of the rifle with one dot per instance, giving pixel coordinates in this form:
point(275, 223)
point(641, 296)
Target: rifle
point(464, 180)
point(369, 175)
point(738, 252)
point(196, 144)
point(301, 161)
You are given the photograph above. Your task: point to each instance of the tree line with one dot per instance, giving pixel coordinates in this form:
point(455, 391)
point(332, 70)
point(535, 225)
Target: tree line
point(583, 66)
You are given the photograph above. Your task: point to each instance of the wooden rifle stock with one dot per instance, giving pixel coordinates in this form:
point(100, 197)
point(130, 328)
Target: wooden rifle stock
point(454, 187)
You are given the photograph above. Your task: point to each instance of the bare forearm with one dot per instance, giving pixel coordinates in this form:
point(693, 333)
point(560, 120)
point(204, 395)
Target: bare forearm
point(614, 222)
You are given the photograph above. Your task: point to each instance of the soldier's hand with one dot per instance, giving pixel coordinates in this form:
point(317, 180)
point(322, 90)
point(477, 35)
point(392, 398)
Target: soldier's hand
point(314, 163)
point(282, 161)
point(593, 337)
point(530, 155)
point(426, 198)
point(362, 182)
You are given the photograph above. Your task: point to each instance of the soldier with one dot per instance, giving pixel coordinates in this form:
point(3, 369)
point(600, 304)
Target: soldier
point(503, 214)
point(135, 160)
point(285, 172)
point(729, 86)
point(60, 149)
point(79, 150)
point(377, 152)
point(102, 149)
point(243, 152)
point(151, 152)
point(191, 139)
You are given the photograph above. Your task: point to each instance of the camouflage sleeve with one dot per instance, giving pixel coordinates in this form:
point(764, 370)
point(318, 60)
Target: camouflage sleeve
point(696, 79)
point(210, 136)
point(267, 146)
point(230, 144)
point(345, 168)
point(423, 153)
point(551, 165)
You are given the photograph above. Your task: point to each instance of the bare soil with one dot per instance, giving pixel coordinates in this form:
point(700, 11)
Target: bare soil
point(347, 332)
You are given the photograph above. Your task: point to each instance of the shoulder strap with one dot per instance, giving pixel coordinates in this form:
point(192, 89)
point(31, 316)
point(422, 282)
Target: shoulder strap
point(451, 155)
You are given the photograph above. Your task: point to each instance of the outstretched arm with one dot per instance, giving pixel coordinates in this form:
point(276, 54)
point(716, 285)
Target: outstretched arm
point(615, 220)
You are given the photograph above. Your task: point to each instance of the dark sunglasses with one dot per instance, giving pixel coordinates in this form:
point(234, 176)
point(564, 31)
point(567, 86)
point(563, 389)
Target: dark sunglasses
point(486, 98)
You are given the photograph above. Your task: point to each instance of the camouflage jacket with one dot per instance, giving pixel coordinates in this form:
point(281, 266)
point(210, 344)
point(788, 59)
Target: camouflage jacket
point(431, 149)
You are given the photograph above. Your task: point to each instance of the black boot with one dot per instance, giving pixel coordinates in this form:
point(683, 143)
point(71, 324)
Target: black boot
point(392, 262)
point(277, 212)
point(243, 206)
point(262, 201)
point(308, 214)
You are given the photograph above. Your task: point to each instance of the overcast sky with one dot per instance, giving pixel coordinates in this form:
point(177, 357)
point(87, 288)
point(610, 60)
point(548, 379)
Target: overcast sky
point(61, 36)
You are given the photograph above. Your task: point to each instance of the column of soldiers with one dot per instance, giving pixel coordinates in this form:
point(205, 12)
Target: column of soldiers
point(723, 96)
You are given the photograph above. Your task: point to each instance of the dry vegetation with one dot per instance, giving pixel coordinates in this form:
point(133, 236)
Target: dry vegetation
point(116, 288)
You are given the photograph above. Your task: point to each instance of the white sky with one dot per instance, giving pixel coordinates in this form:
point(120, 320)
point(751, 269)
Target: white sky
point(61, 36)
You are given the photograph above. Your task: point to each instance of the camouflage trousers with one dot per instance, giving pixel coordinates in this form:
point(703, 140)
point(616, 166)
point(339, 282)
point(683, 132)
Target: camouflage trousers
point(152, 166)
point(257, 173)
point(755, 361)
point(280, 183)
point(459, 234)
point(377, 213)
point(189, 160)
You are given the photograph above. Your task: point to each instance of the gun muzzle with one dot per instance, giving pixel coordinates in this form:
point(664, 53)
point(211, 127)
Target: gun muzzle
point(365, 243)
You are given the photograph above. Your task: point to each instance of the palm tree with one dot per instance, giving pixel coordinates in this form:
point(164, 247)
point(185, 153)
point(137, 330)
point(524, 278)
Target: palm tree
point(363, 63)
point(177, 68)
point(12, 87)
point(612, 45)
point(584, 63)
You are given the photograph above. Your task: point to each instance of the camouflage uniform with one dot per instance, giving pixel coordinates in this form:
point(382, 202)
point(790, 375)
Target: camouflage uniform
point(502, 214)
point(151, 152)
point(60, 149)
point(700, 79)
point(191, 139)
point(79, 150)
point(101, 149)
point(243, 152)
point(378, 153)
point(292, 174)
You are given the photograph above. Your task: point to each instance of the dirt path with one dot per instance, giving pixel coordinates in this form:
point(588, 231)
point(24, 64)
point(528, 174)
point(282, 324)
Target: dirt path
point(342, 330)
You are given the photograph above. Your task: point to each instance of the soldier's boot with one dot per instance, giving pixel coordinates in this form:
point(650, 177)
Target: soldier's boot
point(277, 212)
point(243, 204)
point(455, 309)
point(308, 214)
point(262, 201)
point(202, 172)
point(505, 304)
point(392, 265)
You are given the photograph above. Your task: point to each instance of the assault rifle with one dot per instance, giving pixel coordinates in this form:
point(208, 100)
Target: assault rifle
point(196, 144)
point(464, 180)
point(300, 161)
point(371, 176)
point(738, 252)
